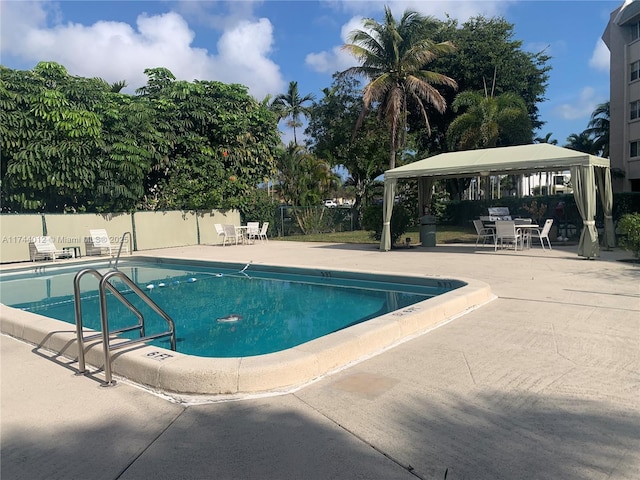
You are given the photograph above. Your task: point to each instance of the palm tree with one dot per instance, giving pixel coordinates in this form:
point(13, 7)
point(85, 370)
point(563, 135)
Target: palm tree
point(546, 139)
point(291, 104)
point(581, 142)
point(393, 56)
point(598, 128)
point(488, 121)
point(303, 178)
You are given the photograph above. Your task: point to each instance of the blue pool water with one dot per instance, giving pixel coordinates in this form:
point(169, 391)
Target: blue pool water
point(225, 310)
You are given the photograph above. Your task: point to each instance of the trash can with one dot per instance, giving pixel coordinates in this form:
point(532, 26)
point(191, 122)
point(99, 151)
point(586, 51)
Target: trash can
point(428, 231)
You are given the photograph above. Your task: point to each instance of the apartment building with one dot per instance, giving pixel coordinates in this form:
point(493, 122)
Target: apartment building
point(622, 37)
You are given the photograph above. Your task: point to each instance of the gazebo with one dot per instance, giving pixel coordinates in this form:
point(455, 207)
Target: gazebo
point(589, 174)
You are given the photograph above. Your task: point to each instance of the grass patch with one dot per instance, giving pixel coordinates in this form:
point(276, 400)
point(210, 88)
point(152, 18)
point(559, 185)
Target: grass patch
point(444, 234)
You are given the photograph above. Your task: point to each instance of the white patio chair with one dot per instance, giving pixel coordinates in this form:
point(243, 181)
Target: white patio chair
point(43, 248)
point(506, 232)
point(229, 234)
point(484, 233)
point(253, 231)
point(543, 233)
point(220, 231)
point(262, 235)
point(98, 243)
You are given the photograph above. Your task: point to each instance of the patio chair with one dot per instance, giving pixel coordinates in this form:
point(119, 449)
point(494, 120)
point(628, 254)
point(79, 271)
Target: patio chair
point(484, 233)
point(262, 235)
point(230, 233)
point(220, 231)
point(43, 248)
point(506, 232)
point(543, 233)
point(98, 243)
point(253, 231)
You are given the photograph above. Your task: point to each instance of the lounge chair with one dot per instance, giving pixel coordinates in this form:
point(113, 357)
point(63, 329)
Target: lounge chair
point(43, 248)
point(100, 244)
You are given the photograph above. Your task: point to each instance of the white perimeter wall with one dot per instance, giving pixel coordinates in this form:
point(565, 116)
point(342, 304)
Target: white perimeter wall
point(149, 229)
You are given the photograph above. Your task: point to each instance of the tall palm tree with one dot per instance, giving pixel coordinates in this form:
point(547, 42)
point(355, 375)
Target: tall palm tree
point(581, 142)
point(291, 104)
point(393, 57)
point(546, 139)
point(598, 128)
point(488, 121)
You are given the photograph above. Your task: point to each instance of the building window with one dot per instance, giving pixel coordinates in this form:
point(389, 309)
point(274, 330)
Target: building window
point(634, 110)
point(635, 71)
point(635, 31)
point(633, 148)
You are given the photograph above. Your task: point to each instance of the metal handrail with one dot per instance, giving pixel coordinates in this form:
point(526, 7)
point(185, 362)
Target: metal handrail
point(104, 321)
point(117, 259)
point(78, 313)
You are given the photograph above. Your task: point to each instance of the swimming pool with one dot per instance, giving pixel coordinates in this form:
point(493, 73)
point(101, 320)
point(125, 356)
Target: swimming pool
point(226, 310)
point(180, 374)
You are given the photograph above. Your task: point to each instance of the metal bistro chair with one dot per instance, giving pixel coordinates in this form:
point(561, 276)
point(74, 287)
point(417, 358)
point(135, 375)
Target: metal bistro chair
point(262, 234)
point(230, 233)
point(484, 233)
point(506, 232)
point(544, 233)
point(253, 231)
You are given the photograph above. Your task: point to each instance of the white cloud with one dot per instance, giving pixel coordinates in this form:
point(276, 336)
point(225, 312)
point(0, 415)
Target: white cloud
point(336, 59)
point(118, 51)
point(600, 58)
point(581, 107)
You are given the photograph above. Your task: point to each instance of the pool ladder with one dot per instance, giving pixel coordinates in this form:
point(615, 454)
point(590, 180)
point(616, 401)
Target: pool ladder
point(106, 334)
point(117, 259)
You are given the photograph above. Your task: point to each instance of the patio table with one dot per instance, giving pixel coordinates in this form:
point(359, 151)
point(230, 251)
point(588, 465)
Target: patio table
point(525, 230)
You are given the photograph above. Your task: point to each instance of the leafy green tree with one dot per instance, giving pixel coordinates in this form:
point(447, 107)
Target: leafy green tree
point(598, 128)
point(51, 138)
point(485, 121)
point(303, 179)
point(393, 58)
point(76, 144)
point(291, 105)
point(330, 133)
point(222, 143)
point(487, 54)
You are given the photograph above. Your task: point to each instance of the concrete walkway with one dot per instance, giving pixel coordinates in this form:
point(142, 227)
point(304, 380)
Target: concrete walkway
point(543, 382)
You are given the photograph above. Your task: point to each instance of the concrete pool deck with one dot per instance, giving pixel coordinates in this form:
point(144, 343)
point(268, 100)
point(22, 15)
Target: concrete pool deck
point(543, 382)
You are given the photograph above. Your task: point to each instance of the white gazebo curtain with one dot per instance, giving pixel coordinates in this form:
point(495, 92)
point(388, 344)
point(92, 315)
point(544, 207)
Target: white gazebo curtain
point(387, 210)
point(603, 182)
point(585, 196)
point(425, 189)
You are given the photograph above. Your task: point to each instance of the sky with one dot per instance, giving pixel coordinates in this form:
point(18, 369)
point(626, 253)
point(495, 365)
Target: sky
point(266, 44)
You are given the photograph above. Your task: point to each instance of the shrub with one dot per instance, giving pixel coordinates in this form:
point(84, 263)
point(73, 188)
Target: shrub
point(400, 221)
point(259, 208)
point(629, 227)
